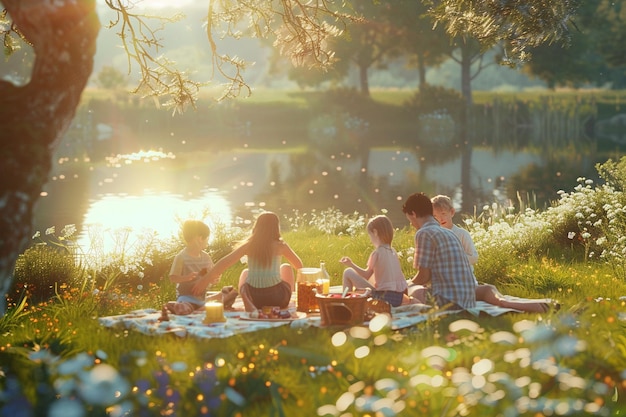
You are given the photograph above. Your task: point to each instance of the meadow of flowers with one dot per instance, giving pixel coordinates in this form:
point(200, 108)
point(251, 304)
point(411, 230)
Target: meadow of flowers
point(55, 360)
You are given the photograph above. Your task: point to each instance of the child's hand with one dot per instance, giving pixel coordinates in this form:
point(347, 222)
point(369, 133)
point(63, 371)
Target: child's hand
point(346, 260)
point(199, 288)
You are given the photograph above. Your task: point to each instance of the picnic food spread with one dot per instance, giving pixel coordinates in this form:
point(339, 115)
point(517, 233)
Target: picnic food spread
point(271, 312)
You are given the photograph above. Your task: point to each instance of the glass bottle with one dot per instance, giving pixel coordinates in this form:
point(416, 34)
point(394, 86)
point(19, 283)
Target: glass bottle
point(324, 281)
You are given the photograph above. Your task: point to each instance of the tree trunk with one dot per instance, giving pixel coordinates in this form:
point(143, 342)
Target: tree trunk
point(465, 137)
point(421, 69)
point(35, 116)
point(364, 81)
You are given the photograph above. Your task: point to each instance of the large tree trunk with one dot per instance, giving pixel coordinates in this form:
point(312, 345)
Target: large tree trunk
point(34, 117)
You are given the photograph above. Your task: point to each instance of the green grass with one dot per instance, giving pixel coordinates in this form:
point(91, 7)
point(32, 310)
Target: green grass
point(518, 364)
point(56, 360)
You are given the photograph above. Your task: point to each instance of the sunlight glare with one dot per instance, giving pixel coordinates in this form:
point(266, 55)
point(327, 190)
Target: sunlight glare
point(159, 213)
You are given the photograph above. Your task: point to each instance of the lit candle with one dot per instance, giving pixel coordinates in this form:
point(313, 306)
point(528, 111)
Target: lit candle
point(214, 312)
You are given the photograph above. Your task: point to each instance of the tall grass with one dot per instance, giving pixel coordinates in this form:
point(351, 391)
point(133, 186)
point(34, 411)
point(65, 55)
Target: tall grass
point(55, 360)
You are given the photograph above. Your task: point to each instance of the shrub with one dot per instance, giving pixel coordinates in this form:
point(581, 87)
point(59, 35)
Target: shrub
point(436, 100)
point(42, 270)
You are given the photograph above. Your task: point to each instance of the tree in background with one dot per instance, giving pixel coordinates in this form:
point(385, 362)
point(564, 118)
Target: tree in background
point(33, 117)
point(110, 78)
point(516, 25)
point(424, 43)
point(368, 41)
point(385, 31)
point(595, 53)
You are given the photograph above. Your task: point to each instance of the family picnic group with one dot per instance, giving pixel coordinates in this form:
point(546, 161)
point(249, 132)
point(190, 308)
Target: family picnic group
point(444, 259)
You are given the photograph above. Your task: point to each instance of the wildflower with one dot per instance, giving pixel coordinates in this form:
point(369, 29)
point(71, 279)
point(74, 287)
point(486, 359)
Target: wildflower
point(103, 385)
point(66, 407)
point(75, 365)
point(68, 230)
point(50, 230)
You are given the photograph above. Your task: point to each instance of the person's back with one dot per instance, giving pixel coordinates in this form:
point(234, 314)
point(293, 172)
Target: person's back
point(443, 270)
point(452, 277)
point(262, 275)
point(266, 282)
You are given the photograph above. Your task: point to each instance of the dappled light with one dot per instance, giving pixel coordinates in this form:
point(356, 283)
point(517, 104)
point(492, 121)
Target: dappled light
point(123, 119)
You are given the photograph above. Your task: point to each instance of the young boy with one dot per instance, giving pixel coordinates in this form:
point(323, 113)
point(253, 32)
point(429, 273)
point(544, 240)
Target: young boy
point(189, 265)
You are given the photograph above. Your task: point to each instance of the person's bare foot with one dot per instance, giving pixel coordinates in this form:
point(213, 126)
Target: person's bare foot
point(181, 309)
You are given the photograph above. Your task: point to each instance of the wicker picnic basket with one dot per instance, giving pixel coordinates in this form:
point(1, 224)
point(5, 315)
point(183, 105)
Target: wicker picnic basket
point(345, 311)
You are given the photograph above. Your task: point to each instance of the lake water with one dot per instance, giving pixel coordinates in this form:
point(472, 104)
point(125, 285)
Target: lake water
point(153, 191)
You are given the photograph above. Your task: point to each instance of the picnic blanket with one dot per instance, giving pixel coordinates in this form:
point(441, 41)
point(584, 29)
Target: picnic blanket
point(147, 321)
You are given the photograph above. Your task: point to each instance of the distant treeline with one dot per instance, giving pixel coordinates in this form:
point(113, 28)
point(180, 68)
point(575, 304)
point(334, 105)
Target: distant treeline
point(344, 118)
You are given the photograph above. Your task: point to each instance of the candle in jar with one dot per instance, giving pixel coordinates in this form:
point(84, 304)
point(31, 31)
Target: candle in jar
point(214, 312)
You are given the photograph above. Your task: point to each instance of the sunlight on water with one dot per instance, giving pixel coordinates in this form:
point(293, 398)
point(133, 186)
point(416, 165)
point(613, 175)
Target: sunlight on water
point(161, 213)
point(132, 203)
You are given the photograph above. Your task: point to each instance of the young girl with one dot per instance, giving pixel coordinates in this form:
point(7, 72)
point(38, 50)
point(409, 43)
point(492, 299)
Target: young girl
point(383, 274)
point(266, 282)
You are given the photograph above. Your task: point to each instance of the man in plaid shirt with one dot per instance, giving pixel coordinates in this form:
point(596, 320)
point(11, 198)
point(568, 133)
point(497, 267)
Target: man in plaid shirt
point(444, 274)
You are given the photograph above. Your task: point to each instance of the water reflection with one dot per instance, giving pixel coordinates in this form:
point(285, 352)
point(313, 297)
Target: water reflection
point(155, 191)
point(162, 213)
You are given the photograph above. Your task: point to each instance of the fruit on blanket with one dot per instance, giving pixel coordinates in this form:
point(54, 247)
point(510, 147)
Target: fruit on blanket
point(284, 314)
point(271, 313)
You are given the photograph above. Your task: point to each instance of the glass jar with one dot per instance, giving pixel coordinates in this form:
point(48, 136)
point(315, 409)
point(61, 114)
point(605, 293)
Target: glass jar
point(306, 289)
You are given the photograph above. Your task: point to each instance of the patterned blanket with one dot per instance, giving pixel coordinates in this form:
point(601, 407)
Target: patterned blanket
point(237, 321)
